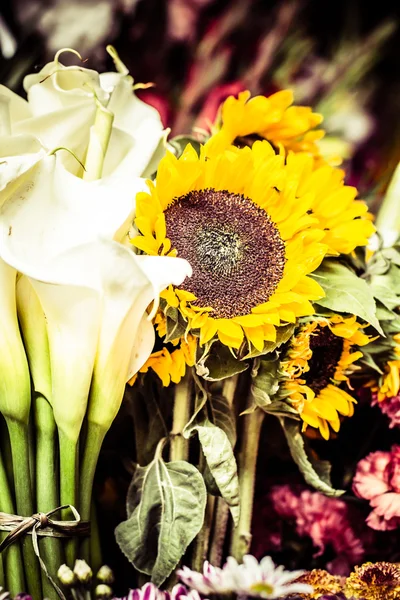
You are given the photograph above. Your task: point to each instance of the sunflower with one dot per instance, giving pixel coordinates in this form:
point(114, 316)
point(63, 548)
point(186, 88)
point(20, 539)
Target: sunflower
point(344, 220)
point(320, 358)
point(243, 120)
point(243, 220)
point(388, 384)
point(375, 581)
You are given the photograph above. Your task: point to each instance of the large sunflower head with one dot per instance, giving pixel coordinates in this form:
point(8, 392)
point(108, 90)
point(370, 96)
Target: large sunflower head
point(243, 120)
point(319, 359)
point(245, 221)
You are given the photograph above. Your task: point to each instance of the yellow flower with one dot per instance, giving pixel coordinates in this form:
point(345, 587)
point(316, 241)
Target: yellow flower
point(344, 220)
point(389, 383)
point(244, 221)
point(320, 357)
point(322, 582)
point(170, 365)
point(379, 581)
point(244, 119)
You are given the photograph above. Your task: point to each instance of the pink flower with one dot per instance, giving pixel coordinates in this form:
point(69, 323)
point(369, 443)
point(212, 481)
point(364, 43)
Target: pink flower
point(390, 407)
point(377, 479)
point(327, 521)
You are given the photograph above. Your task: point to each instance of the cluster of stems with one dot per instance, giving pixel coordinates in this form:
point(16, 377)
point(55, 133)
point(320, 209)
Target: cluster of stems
point(219, 536)
point(41, 467)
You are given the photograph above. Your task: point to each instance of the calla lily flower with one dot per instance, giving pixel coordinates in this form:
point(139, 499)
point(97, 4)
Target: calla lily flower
point(61, 109)
point(58, 231)
point(15, 391)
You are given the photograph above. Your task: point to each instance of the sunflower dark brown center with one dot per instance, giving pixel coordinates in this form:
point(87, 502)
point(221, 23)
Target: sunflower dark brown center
point(235, 250)
point(326, 349)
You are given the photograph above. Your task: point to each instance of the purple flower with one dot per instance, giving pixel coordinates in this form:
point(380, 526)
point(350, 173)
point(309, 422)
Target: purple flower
point(254, 579)
point(151, 592)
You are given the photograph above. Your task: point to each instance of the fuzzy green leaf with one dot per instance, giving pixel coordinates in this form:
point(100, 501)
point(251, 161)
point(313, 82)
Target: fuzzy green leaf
point(167, 503)
point(219, 364)
point(265, 382)
point(315, 473)
point(221, 462)
point(346, 293)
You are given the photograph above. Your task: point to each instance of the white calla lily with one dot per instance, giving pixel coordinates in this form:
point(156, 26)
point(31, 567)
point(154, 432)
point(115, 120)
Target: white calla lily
point(34, 330)
point(15, 389)
point(61, 110)
point(60, 232)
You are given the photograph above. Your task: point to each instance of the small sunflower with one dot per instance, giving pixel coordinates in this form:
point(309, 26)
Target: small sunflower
point(388, 384)
point(379, 581)
point(322, 582)
point(320, 358)
point(243, 219)
point(244, 120)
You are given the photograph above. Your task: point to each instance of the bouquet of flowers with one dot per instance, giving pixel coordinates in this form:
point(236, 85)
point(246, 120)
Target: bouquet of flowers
point(227, 276)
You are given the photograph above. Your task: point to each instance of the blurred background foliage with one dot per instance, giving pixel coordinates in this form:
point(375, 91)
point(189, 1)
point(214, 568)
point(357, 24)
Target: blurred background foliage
point(340, 57)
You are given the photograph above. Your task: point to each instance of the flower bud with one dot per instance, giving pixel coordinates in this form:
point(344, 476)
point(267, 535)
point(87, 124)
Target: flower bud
point(103, 591)
point(83, 572)
point(105, 575)
point(66, 576)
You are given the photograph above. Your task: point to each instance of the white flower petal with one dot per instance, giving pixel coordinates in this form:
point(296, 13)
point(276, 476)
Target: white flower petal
point(135, 117)
point(34, 331)
point(56, 87)
point(15, 392)
point(73, 321)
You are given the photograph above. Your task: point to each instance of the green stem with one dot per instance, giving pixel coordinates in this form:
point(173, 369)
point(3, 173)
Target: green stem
point(68, 487)
point(247, 463)
point(182, 404)
point(96, 559)
point(140, 422)
point(20, 454)
point(13, 566)
point(219, 532)
point(47, 497)
point(202, 540)
point(2, 576)
point(94, 440)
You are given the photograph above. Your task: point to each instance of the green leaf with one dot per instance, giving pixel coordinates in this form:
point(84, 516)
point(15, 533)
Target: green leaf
point(265, 383)
point(219, 364)
point(280, 408)
point(346, 293)
point(166, 504)
point(180, 142)
point(221, 462)
point(175, 324)
point(283, 334)
point(315, 473)
point(222, 415)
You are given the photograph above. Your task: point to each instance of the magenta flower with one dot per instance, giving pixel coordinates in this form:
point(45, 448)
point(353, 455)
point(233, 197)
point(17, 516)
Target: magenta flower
point(390, 407)
point(377, 479)
point(327, 521)
point(151, 592)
